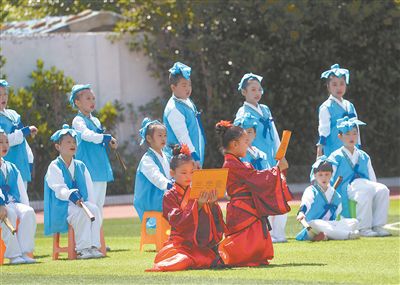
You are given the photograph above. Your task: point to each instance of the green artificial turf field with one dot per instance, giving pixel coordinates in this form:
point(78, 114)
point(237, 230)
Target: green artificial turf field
point(363, 261)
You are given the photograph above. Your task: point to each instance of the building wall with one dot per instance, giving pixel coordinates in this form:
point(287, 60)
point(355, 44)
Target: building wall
point(113, 70)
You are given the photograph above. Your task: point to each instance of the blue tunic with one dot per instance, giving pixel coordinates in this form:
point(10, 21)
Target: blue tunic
point(94, 155)
point(9, 185)
point(56, 210)
point(257, 158)
point(17, 154)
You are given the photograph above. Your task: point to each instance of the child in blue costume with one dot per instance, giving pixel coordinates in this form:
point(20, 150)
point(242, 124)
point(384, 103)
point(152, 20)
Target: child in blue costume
point(359, 182)
point(10, 121)
point(321, 205)
point(267, 138)
point(153, 173)
point(334, 108)
point(93, 143)
point(14, 204)
point(181, 117)
point(67, 186)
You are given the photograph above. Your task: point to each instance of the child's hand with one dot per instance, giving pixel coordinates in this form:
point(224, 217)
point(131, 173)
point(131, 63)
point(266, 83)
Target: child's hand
point(33, 130)
point(204, 196)
point(300, 216)
point(197, 165)
point(113, 143)
point(3, 213)
point(319, 150)
point(283, 164)
point(212, 196)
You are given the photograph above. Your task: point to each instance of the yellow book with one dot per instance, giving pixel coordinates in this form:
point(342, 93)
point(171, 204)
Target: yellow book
point(208, 180)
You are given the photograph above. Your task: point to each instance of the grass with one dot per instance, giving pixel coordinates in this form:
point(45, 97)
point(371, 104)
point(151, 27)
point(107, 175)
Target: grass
point(364, 261)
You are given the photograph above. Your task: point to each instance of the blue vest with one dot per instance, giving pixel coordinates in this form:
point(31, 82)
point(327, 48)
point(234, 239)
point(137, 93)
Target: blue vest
point(259, 161)
point(193, 123)
point(265, 139)
point(147, 197)
point(349, 173)
point(9, 185)
point(94, 155)
point(56, 210)
point(16, 154)
point(336, 112)
point(319, 208)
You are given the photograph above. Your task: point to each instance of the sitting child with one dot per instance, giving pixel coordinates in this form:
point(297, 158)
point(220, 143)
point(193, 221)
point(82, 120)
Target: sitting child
point(67, 187)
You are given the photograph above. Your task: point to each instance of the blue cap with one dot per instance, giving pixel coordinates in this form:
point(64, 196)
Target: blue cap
point(337, 71)
point(180, 68)
point(246, 78)
point(3, 83)
point(246, 121)
point(344, 125)
point(64, 131)
point(145, 124)
point(75, 89)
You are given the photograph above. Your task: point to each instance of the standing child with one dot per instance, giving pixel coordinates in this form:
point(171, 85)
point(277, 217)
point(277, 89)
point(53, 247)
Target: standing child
point(153, 173)
point(334, 108)
point(359, 181)
point(196, 224)
point(321, 205)
point(181, 116)
point(254, 195)
point(10, 121)
point(67, 186)
point(267, 138)
point(93, 144)
point(14, 204)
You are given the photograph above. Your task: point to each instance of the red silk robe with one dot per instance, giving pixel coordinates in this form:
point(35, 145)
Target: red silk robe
point(255, 195)
point(194, 233)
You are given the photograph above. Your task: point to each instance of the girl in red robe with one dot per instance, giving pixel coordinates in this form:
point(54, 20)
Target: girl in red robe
point(196, 224)
point(254, 195)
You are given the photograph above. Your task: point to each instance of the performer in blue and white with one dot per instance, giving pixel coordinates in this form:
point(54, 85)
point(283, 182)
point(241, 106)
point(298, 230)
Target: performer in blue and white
point(10, 121)
point(67, 185)
point(334, 108)
point(14, 204)
point(266, 139)
point(359, 181)
point(321, 206)
point(181, 117)
point(153, 176)
point(93, 142)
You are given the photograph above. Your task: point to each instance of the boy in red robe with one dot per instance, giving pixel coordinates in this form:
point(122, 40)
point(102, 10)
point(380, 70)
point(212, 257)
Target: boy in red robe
point(196, 224)
point(255, 195)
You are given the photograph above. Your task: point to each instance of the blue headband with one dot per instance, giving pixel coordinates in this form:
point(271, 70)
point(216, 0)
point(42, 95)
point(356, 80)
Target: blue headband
point(246, 78)
point(337, 71)
point(344, 125)
point(75, 90)
point(321, 159)
point(64, 131)
point(246, 121)
point(3, 83)
point(145, 124)
point(180, 68)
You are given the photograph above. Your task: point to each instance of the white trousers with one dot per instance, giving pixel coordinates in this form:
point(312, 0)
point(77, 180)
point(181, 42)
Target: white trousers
point(87, 233)
point(278, 224)
point(24, 240)
point(335, 229)
point(99, 195)
point(372, 202)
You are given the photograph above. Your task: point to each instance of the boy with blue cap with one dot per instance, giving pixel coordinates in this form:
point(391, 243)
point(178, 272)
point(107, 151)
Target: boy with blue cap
point(359, 181)
point(181, 117)
point(93, 142)
point(153, 173)
point(334, 108)
point(14, 204)
point(10, 121)
point(67, 186)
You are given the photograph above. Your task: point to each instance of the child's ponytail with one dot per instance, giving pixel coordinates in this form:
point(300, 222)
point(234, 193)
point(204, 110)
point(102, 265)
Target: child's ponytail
point(228, 132)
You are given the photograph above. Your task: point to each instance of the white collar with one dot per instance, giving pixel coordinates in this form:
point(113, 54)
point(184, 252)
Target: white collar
point(71, 167)
point(160, 157)
point(340, 102)
point(3, 166)
point(353, 156)
point(258, 108)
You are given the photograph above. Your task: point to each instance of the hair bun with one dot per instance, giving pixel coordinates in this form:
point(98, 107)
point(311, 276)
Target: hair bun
point(176, 150)
point(222, 126)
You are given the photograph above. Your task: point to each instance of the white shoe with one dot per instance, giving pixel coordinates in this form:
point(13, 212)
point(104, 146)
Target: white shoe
point(85, 253)
point(17, 260)
point(381, 232)
point(368, 233)
point(96, 253)
point(354, 234)
point(279, 240)
point(28, 259)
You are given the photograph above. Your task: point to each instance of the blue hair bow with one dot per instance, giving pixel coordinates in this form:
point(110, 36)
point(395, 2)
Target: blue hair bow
point(3, 83)
point(337, 71)
point(145, 124)
point(322, 159)
point(65, 130)
point(345, 124)
point(75, 90)
point(243, 82)
point(180, 68)
point(246, 121)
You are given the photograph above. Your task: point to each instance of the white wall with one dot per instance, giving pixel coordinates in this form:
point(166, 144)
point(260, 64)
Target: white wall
point(113, 70)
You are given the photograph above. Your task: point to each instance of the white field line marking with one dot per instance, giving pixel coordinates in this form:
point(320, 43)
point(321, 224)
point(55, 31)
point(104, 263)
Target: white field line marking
point(394, 226)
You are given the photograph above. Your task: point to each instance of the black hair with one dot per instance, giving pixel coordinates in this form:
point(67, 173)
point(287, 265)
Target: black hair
point(324, 166)
point(63, 136)
point(246, 82)
point(228, 133)
point(174, 78)
point(178, 158)
point(151, 129)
